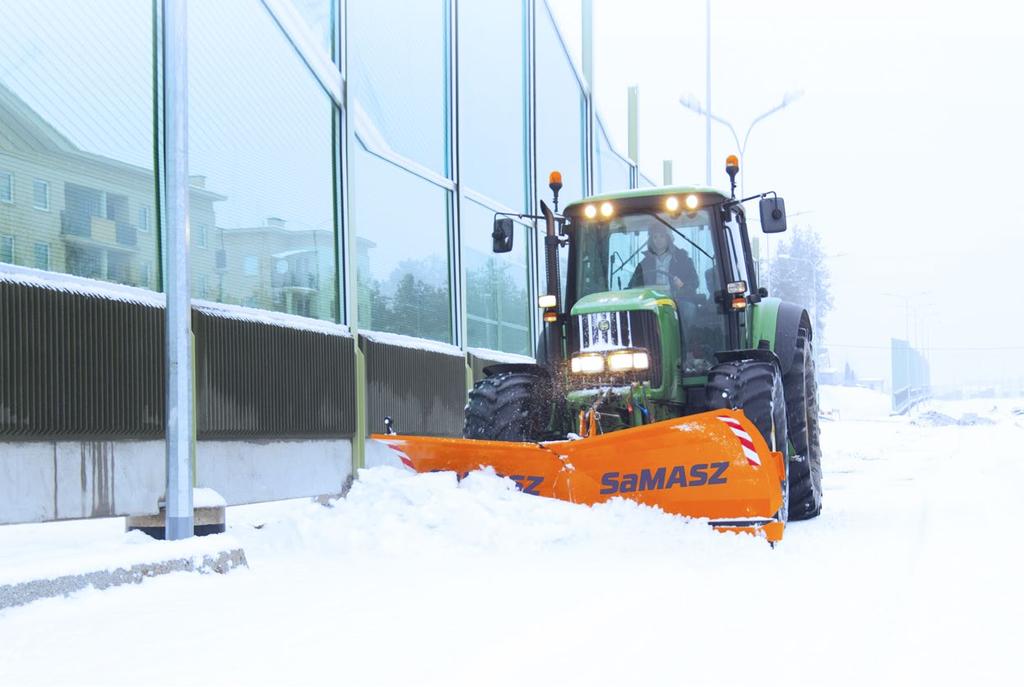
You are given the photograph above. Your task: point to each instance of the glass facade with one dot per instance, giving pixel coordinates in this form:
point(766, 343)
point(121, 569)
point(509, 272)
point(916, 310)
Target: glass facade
point(261, 162)
point(497, 292)
point(612, 172)
point(561, 112)
point(492, 126)
point(398, 74)
point(76, 137)
point(402, 263)
point(294, 194)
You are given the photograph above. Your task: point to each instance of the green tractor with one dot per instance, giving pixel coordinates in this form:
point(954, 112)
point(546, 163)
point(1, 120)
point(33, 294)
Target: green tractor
point(660, 316)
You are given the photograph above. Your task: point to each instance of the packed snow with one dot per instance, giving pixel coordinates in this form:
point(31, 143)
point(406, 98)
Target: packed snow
point(908, 577)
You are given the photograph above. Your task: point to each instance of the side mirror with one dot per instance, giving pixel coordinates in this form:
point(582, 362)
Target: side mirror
point(773, 215)
point(502, 234)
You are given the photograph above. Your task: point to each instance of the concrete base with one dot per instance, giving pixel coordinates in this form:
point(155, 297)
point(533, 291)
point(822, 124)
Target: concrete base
point(206, 520)
point(26, 592)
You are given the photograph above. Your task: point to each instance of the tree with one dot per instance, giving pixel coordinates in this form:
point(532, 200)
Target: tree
point(799, 274)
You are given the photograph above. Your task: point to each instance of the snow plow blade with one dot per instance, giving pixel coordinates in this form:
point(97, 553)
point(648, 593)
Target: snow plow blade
point(713, 465)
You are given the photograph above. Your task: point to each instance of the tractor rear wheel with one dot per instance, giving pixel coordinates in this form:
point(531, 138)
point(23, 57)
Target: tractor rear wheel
point(510, 406)
point(755, 387)
point(802, 410)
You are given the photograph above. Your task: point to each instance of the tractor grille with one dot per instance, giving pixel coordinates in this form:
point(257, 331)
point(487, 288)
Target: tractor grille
point(619, 329)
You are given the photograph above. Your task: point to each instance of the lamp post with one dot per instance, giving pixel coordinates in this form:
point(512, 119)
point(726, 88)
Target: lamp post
point(691, 103)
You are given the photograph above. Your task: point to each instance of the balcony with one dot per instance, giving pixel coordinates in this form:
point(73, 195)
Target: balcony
point(98, 229)
point(295, 280)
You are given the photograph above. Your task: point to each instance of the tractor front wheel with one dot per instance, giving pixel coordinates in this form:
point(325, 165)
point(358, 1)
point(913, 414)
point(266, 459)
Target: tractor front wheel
point(510, 406)
point(755, 387)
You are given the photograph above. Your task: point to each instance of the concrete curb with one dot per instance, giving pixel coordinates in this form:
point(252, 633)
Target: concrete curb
point(25, 592)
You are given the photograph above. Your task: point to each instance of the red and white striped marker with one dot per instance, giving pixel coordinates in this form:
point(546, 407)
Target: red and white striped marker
point(746, 441)
point(406, 461)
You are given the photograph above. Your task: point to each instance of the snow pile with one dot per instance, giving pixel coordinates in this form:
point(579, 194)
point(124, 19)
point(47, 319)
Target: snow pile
point(908, 577)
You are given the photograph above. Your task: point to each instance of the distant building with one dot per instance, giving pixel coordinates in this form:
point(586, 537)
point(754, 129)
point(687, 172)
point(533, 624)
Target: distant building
point(67, 210)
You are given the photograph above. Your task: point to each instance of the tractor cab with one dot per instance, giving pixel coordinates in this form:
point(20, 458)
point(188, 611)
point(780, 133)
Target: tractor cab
point(629, 248)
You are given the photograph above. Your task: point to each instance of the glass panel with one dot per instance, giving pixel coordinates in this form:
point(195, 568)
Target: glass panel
point(492, 102)
point(317, 14)
point(560, 115)
point(497, 295)
point(398, 74)
point(260, 146)
point(611, 172)
point(645, 181)
point(402, 266)
point(76, 136)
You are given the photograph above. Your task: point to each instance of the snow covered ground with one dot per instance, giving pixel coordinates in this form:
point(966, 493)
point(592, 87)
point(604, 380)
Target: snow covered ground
point(910, 576)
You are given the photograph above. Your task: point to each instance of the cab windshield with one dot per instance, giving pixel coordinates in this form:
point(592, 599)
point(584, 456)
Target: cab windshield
point(674, 253)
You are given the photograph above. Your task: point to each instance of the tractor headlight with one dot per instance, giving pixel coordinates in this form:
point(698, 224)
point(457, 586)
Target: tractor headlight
point(587, 364)
point(622, 361)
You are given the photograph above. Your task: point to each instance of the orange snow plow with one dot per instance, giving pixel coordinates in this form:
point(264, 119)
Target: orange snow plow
point(713, 465)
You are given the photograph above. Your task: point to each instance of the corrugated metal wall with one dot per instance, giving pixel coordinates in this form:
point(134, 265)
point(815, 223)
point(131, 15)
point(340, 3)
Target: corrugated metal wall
point(424, 392)
point(80, 366)
point(255, 379)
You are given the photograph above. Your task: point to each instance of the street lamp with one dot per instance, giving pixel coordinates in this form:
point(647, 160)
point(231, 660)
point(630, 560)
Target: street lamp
point(691, 103)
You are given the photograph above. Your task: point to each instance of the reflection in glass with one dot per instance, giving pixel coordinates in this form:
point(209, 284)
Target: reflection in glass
point(260, 146)
point(497, 297)
point(611, 172)
point(318, 15)
point(402, 265)
point(560, 115)
point(398, 66)
point(76, 137)
point(492, 102)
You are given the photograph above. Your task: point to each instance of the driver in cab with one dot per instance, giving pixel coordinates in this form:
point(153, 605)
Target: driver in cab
point(663, 264)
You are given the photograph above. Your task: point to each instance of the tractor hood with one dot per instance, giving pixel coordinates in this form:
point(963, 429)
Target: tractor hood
point(617, 301)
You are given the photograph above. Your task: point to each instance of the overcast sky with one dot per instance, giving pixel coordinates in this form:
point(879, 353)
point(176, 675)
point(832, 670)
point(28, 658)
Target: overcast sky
point(903, 153)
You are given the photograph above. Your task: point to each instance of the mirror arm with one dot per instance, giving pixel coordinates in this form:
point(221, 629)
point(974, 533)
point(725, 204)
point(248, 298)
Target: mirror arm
point(739, 201)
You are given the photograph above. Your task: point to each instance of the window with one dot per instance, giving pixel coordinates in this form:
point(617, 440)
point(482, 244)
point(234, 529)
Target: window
point(611, 172)
point(6, 187)
point(621, 254)
point(398, 74)
point(199, 236)
point(319, 15)
point(76, 83)
point(402, 250)
point(143, 218)
point(40, 195)
point(42, 256)
point(560, 115)
point(498, 308)
point(672, 254)
point(7, 249)
point(492, 120)
point(262, 162)
point(146, 274)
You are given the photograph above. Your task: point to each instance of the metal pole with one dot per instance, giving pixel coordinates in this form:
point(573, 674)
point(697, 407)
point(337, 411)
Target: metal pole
point(179, 523)
point(587, 21)
point(707, 99)
point(633, 117)
point(666, 172)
